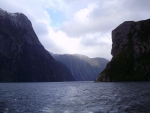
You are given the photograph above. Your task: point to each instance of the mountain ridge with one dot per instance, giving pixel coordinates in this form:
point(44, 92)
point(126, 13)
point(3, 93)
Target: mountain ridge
point(23, 58)
point(82, 67)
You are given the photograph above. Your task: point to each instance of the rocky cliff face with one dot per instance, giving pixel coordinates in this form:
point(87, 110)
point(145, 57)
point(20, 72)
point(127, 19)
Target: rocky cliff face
point(82, 67)
point(22, 57)
point(131, 53)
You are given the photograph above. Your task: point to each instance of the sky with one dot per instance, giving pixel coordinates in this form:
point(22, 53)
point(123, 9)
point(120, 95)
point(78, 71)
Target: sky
point(78, 26)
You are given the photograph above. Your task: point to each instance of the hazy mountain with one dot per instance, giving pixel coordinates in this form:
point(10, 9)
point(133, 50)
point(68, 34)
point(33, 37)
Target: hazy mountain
point(82, 67)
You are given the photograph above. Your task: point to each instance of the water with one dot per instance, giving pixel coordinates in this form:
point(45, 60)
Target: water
point(75, 97)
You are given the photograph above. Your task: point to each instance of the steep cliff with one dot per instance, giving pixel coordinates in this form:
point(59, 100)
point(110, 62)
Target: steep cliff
point(22, 57)
point(82, 67)
point(131, 53)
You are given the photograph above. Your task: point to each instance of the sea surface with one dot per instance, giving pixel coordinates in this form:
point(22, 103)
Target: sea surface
point(75, 97)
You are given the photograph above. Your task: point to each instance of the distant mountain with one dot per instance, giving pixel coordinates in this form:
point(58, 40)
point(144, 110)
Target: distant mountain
point(22, 56)
point(82, 67)
point(131, 53)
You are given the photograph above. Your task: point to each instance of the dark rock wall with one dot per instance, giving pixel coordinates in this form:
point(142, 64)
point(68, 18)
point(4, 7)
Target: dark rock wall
point(131, 53)
point(22, 56)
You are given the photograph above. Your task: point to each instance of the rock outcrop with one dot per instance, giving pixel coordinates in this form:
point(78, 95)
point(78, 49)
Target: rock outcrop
point(22, 56)
point(82, 67)
point(131, 53)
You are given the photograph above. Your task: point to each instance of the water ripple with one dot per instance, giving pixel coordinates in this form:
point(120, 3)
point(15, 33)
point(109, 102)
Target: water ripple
point(75, 97)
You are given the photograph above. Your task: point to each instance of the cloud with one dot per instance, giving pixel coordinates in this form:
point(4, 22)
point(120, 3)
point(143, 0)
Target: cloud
point(80, 24)
point(137, 5)
point(75, 26)
point(103, 16)
point(97, 39)
point(64, 42)
point(96, 17)
point(41, 28)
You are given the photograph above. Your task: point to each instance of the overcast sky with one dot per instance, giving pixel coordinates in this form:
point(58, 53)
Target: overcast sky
point(78, 26)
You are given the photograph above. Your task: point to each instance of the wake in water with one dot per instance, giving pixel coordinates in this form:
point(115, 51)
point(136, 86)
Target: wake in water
point(75, 97)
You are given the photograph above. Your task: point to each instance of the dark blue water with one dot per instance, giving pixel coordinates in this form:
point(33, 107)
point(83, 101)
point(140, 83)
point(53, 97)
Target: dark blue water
point(75, 97)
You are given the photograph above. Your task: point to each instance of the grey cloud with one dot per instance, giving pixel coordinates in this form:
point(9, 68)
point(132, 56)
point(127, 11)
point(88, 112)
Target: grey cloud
point(91, 42)
point(75, 5)
point(100, 20)
point(74, 28)
point(101, 50)
point(137, 5)
point(107, 16)
point(40, 28)
point(77, 29)
point(49, 44)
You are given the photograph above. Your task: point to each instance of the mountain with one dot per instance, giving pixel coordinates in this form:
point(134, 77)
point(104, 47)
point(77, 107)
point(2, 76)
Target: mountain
point(131, 53)
point(22, 56)
point(82, 67)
